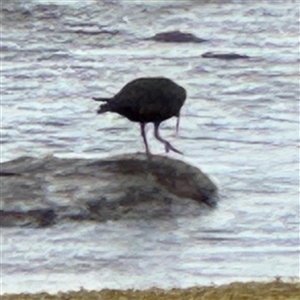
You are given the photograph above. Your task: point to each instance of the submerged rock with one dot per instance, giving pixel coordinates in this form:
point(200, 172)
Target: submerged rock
point(176, 37)
point(43, 191)
point(226, 56)
point(34, 217)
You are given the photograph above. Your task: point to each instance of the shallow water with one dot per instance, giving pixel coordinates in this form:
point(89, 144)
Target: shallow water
point(239, 125)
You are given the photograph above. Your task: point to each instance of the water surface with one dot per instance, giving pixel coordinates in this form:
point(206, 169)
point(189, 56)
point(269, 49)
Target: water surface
point(239, 125)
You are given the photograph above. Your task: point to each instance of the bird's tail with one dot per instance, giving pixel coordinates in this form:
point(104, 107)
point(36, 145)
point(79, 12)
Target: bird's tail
point(103, 108)
point(101, 99)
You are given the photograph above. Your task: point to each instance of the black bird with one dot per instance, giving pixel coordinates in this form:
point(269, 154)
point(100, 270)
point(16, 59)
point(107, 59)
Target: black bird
point(145, 100)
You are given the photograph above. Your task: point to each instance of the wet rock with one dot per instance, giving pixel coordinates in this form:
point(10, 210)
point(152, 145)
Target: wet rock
point(176, 37)
point(226, 56)
point(43, 191)
point(93, 32)
point(30, 218)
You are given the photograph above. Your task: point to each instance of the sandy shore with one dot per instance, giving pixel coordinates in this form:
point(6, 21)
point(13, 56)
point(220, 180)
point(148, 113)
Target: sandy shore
point(251, 290)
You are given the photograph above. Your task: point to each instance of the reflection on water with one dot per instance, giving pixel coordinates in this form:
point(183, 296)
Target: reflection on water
point(239, 125)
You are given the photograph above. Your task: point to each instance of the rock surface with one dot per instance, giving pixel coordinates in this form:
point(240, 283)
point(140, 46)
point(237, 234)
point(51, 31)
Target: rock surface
point(176, 37)
point(226, 56)
point(43, 191)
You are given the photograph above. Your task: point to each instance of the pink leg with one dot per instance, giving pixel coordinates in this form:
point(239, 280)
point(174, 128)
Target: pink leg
point(168, 146)
point(177, 125)
point(144, 137)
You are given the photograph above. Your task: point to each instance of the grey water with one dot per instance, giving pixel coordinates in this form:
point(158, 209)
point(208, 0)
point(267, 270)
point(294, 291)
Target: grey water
point(240, 125)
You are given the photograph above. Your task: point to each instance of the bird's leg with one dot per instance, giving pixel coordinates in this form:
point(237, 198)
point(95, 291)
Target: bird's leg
point(177, 125)
point(168, 146)
point(144, 137)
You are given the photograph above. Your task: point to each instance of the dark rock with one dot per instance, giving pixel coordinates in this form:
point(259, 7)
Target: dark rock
point(29, 218)
point(226, 56)
point(93, 32)
point(41, 192)
point(176, 37)
point(8, 174)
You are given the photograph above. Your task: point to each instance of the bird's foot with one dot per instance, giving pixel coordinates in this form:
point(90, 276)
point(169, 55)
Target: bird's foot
point(148, 153)
point(169, 147)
